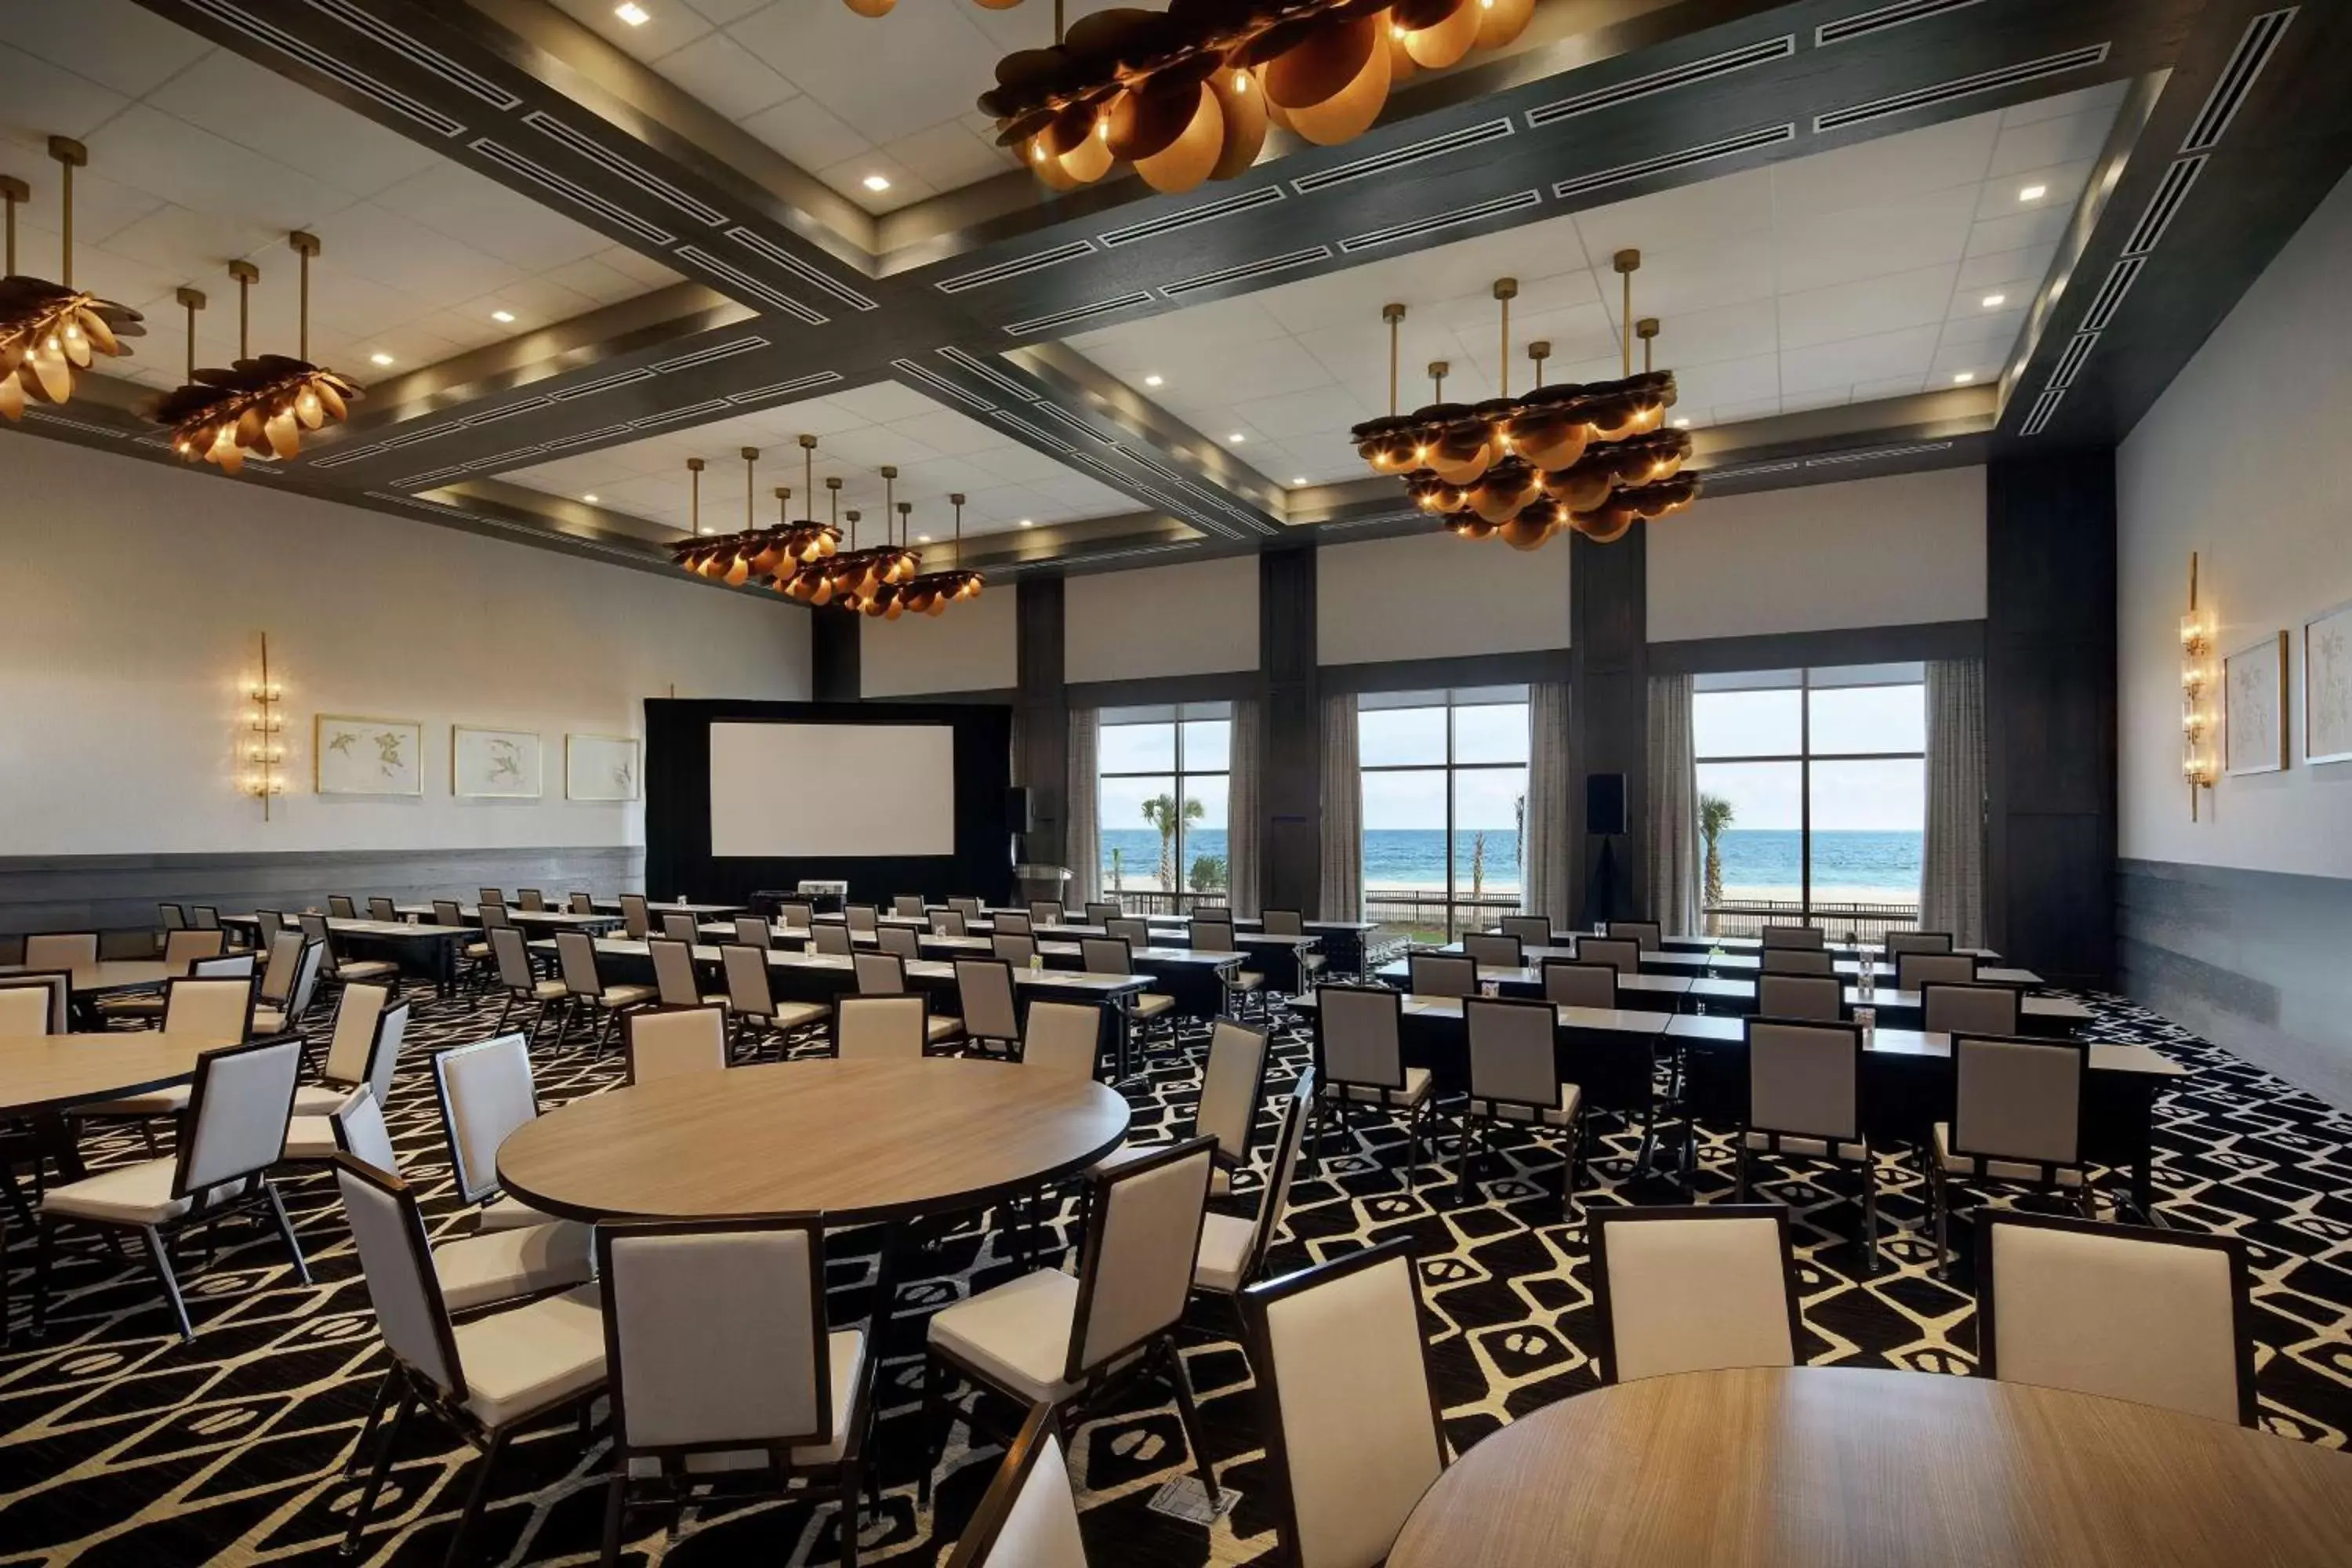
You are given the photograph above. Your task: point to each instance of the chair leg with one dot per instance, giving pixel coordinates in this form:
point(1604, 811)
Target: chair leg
point(45, 1248)
point(382, 1468)
point(285, 1229)
point(375, 1418)
point(1188, 1416)
point(852, 1513)
point(1413, 1148)
point(616, 1506)
point(159, 1258)
point(475, 1498)
point(1940, 1197)
point(936, 1423)
point(1870, 1213)
point(1462, 1162)
point(1740, 1181)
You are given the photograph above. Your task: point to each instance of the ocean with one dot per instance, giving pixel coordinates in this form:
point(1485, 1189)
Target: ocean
point(1753, 858)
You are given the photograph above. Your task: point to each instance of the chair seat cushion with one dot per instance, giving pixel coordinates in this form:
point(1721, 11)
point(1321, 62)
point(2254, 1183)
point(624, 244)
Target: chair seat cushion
point(169, 1101)
point(1224, 1252)
point(269, 1020)
point(1571, 1100)
point(511, 1213)
point(310, 1138)
point(1969, 1166)
point(129, 1194)
point(1848, 1150)
point(477, 950)
point(946, 1027)
point(497, 1265)
point(1416, 1090)
point(366, 968)
point(318, 1099)
point(1151, 1004)
point(628, 995)
point(800, 1015)
point(130, 1007)
point(1244, 980)
point(845, 1352)
point(1018, 1336)
point(533, 1358)
point(549, 991)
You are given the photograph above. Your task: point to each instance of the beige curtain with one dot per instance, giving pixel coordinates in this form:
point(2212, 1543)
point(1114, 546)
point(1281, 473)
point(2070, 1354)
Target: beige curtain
point(1951, 879)
point(1342, 887)
point(1673, 863)
point(1083, 837)
point(1243, 874)
point(1544, 848)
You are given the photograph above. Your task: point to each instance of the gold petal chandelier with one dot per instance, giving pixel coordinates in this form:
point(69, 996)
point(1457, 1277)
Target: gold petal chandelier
point(1590, 457)
point(804, 560)
point(1185, 94)
point(256, 406)
point(48, 330)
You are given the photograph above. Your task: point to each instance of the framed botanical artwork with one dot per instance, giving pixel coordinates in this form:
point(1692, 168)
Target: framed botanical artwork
point(354, 755)
point(2253, 708)
point(496, 765)
point(600, 767)
point(2327, 686)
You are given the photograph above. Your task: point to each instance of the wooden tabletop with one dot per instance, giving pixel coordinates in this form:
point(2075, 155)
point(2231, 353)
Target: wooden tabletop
point(110, 974)
point(919, 969)
point(1827, 1464)
point(855, 1140)
point(39, 1072)
point(394, 929)
point(690, 908)
point(2106, 1056)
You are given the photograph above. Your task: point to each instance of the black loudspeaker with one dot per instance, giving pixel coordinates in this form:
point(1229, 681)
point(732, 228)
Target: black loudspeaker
point(1017, 811)
point(1604, 802)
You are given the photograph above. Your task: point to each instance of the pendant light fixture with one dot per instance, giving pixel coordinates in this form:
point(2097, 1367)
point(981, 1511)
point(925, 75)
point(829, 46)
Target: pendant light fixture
point(258, 406)
point(48, 330)
point(777, 553)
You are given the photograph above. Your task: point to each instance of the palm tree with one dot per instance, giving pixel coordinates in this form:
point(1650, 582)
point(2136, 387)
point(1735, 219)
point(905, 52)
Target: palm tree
point(1714, 814)
point(1161, 812)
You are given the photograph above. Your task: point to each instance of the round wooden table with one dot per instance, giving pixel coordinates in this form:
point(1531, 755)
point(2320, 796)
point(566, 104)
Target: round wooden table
point(1827, 1464)
point(108, 975)
point(49, 1073)
point(858, 1142)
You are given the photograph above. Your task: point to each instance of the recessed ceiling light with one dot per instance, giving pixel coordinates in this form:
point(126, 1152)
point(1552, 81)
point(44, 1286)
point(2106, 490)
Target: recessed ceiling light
point(1994, 301)
point(590, 498)
point(2033, 193)
point(1682, 423)
point(1963, 377)
point(379, 359)
point(502, 316)
point(1153, 380)
point(922, 539)
point(877, 181)
point(1028, 523)
point(1300, 480)
point(1237, 437)
point(634, 15)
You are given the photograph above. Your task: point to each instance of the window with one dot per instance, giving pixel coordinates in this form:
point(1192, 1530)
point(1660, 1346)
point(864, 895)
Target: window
point(1445, 793)
point(1162, 784)
point(1812, 794)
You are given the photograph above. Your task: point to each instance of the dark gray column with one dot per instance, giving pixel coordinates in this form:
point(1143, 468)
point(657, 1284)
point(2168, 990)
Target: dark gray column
point(834, 675)
point(1290, 825)
point(2049, 714)
point(1041, 717)
point(1609, 716)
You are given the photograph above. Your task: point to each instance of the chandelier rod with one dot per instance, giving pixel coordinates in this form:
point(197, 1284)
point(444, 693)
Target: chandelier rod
point(1647, 330)
point(194, 301)
point(13, 190)
point(247, 275)
point(1394, 316)
point(750, 486)
point(889, 500)
point(1506, 290)
point(694, 482)
point(957, 499)
point(808, 474)
point(306, 246)
point(69, 154)
point(1626, 261)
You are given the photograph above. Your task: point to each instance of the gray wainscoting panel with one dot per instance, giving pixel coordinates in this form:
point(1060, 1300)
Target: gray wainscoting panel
point(2259, 962)
point(120, 892)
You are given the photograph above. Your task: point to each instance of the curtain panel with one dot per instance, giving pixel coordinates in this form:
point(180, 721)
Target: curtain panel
point(1548, 826)
point(1951, 878)
point(1673, 862)
point(1083, 830)
point(1243, 811)
point(1342, 888)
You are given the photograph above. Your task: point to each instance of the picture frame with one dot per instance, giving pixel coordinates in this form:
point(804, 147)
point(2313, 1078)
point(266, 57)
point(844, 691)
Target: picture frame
point(355, 753)
point(494, 765)
point(601, 767)
point(2253, 708)
point(2327, 686)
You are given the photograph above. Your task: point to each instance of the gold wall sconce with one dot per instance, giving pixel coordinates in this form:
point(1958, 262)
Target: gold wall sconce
point(264, 750)
point(2199, 762)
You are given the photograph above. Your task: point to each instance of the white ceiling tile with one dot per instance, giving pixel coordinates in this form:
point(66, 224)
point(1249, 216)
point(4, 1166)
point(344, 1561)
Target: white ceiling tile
point(1999, 197)
point(1706, 214)
point(391, 247)
point(1861, 242)
point(1878, 357)
point(1013, 463)
point(46, 100)
point(2090, 100)
point(255, 107)
point(199, 244)
point(2066, 139)
point(882, 76)
point(806, 132)
point(882, 402)
point(1980, 362)
point(1887, 169)
point(636, 265)
point(1867, 305)
point(849, 177)
point(725, 76)
point(721, 13)
point(668, 24)
point(2040, 226)
point(947, 433)
point(2009, 271)
point(595, 279)
point(485, 215)
point(1703, 337)
point(156, 152)
point(1733, 413)
point(1816, 397)
point(1973, 324)
point(948, 155)
point(1699, 278)
point(1304, 413)
point(1730, 381)
point(120, 45)
point(1892, 386)
point(103, 207)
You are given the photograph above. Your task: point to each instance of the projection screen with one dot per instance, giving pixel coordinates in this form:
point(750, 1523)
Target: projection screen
point(830, 790)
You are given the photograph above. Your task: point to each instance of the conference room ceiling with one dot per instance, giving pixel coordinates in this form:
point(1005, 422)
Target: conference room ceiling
point(677, 217)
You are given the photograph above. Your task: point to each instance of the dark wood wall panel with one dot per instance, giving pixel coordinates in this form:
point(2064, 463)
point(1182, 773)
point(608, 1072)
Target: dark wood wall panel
point(1041, 718)
point(1291, 833)
point(835, 671)
point(1608, 714)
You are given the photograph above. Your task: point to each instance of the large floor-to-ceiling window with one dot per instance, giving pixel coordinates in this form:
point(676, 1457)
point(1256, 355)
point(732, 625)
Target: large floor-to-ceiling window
point(1445, 793)
point(1162, 791)
point(1812, 794)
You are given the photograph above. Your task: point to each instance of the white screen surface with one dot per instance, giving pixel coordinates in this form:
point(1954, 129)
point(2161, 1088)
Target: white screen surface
point(826, 790)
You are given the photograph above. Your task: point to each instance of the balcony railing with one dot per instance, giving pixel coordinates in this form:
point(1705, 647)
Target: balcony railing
point(1861, 921)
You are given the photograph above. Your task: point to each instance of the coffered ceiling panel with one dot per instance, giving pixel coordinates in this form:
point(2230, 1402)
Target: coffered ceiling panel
point(1876, 271)
point(937, 450)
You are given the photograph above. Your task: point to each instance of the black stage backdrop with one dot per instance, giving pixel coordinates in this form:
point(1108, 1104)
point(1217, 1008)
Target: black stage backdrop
point(677, 805)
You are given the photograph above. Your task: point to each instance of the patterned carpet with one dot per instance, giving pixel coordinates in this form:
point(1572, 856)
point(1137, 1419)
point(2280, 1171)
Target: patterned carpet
point(119, 1445)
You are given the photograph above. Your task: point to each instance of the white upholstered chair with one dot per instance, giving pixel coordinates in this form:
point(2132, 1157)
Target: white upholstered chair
point(1359, 1061)
point(1533, 930)
point(992, 1021)
point(1814, 960)
point(760, 1017)
point(1442, 974)
point(1515, 1080)
point(524, 988)
point(1691, 1289)
point(1819, 997)
point(831, 938)
point(1805, 1102)
point(1648, 934)
point(575, 951)
point(60, 950)
point(364, 1053)
point(670, 1042)
point(1913, 970)
point(486, 1091)
point(1794, 936)
point(1029, 1516)
point(2017, 1120)
point(35, 1003)
point(1062, 1038)
point(1211, 935)
point(289, 982)
point(675, 982)
point(1500, 950)
point(1967, 1009)
point(1902, 942)
point(881, 1028)
point(1233, 1250)
point(1577, 982)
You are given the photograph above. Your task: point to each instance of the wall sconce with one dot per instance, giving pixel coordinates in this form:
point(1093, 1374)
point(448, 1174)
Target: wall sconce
point(2197, 761)
point(264, 753)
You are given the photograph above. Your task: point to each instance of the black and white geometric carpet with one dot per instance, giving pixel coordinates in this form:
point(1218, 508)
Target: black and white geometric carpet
point(120, 1445)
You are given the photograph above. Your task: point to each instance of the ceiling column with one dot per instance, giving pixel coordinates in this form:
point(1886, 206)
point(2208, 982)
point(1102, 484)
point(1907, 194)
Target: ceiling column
point(1290, 718)
point(1609, 719)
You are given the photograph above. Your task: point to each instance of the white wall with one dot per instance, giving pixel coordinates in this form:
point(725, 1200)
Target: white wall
point(966, 647)
point(129, 606)
point(2238, 461)
point(1194, 619)
point(1432, 595)
point(1898, 551)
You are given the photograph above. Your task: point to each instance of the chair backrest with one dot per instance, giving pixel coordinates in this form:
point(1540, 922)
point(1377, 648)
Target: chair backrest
point(747, 991)
point(381, 908)
point(176, 916)
point(947, 923)
point(879, 973)
point(267, 924)
point(1442, 974)
point(1143, 1234)
point(356, 1012)
point(1913, 970)
point(668, 1042)
point(491, 896)
point(579, 903)
point(674, 978)
point(1511, 1057)
point(1014, 923)
point(1062, 1038)
point(506, 945)
point(1349, 1419)
point(1795, 961)
point(314, 929)
point(715, 1333)
point(1502, 950)
point(899, 941)
point(447, 912)
point(1691, 1289)
point(1358, 1036)
point(35, 1003)
point(486, 1092)
point(1014, 947)
point(681, 928)
point(636, 919)
point(341, 906)
point(1046, 912)
point(1648, 934)
point(1281, 923)
point(1795, 936)
point(799, 917)
point(388, 1231)
point(906, 904)
point(384, 1058)
point(1289, 1147)
point(1817, 997)
point(226, 966)
point(968, 908)
point(216, 1008)
point(62, 948)
point(1134, 932)
point(1578, 984)
point(576, 954)
point(1805, 1078)
point(1967, 1009)
point(2158, 1316)
point(1233, 1081)
point(2018, 1099)
point(285, 950)
point(1621, 953)
point(205, 916)
point(867, 1028)
point(1105, 955)
point(530, 899)
point(1212, 935)
point(861, 917)
point(492, 917)
point(984, 997)
point(1902, 942)
point(1029, 1516)
point(1533, 930)
point(1098, 915)
point(830, 938)
point(753, 930)
point(237, 1110)
point(361, 1131)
